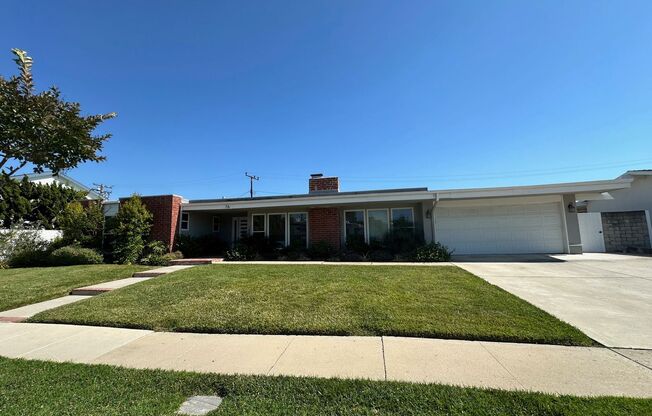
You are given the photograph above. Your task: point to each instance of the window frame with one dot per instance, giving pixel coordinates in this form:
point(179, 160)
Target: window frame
point(187, 221)
point(288, 240)
point(285, 225)
point(264, 231)
point(389, 222)
point(391, 218)
point(364, 222)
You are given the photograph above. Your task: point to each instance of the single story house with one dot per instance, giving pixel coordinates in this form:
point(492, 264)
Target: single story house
point(505, 220)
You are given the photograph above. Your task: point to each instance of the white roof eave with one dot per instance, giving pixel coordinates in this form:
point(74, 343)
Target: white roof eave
point(416, 196)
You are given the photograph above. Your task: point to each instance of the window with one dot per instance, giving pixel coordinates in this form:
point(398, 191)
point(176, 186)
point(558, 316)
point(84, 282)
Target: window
point(216, 223)
point(185, 221)
point(402, 219)
point(276, 224)
point(378, 224)
point(258, 224)
point(354, 226)
point(298, 229)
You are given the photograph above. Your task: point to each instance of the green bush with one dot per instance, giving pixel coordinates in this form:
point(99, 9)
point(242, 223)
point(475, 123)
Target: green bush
point(156, 254)
point(381, 255)
point(321, 250)
point(203, 246)
point(239, 254)
point(433, 252)
point(21, 247)
point(73, 255)
point(29, 258)
point(133, 224)
point(83, 225)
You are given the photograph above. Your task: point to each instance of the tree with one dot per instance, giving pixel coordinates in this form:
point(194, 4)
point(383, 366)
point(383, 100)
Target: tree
point(42, 128)
point(23, 202)
point(133, 224)
point(83, 225)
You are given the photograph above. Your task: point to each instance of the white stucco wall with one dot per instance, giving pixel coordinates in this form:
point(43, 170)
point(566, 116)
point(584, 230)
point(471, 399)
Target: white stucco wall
point(636, 198)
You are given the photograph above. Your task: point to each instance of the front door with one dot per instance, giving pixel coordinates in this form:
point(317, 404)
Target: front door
point(240, 229)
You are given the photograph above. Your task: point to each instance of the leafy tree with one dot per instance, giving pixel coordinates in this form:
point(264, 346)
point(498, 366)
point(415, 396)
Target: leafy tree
point(133, 224)
point(42, 128)
point(83, 225)
point(26, 202)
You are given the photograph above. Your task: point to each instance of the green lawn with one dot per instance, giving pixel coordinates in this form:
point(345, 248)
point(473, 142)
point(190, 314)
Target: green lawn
point(19, 287)
point(46, 388)
point(438, 302)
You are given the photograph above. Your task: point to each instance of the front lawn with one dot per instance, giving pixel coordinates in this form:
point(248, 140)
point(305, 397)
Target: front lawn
point(19, 287)
point(437, 302)
point(44, 388)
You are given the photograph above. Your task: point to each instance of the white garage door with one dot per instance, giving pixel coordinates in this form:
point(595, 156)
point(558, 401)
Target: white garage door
point(504, 229)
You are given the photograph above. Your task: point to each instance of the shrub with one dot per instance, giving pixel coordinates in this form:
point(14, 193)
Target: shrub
point(240, 253)
point(133, 224)
point(72, 255)
point(381, 255)
point(21, 247)
point(351, 256)
point(356, 244)
point(82, 225)
point(255, 246)
point(401, 241)
point(203, 246)
point(156, 254)
point(433, 252)
point(321, 250)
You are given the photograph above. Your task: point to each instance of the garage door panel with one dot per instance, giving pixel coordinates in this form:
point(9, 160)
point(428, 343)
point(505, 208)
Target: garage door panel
point(502, 229)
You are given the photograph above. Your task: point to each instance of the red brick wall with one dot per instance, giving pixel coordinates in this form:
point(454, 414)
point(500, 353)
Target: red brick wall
point(166, 210)
point(325, 225)
point(324, 184)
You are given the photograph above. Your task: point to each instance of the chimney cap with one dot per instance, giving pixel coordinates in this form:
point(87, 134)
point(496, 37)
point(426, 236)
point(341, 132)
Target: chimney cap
point(316, 175)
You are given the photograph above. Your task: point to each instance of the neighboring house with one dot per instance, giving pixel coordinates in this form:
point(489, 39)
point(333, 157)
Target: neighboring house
point(48, 178)
point(621, 224)
point(507, 220)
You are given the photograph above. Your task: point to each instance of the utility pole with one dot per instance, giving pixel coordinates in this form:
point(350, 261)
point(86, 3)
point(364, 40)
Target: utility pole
point(103, 190)
point(252, 178)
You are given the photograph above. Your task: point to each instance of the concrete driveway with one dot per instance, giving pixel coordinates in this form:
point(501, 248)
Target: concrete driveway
point(607, 296)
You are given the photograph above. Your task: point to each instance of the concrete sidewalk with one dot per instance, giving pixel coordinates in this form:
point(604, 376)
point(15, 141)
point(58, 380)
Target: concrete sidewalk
point(546, 368)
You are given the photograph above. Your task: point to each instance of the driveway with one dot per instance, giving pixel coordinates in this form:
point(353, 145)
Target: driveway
point(607, 296)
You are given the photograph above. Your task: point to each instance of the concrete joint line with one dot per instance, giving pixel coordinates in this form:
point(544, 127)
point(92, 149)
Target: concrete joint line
point(122, 344)
point(382, 350)
point(502, 365)
point(280, 355)
point(59, 341)
point(629, 358)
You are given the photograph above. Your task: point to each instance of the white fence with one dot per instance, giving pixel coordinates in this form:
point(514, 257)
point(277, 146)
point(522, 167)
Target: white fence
point(47, 235)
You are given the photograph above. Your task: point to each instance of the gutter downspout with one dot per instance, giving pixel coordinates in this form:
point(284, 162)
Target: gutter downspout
point(432, 216)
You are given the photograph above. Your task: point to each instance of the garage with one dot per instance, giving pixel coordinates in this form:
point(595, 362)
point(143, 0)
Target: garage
point(501, 229)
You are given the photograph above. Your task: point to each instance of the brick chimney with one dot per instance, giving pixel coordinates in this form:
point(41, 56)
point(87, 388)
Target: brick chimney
point(320, 184)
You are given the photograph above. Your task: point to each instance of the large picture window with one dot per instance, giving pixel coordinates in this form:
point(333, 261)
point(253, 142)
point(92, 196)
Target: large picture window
point(354, 226)
point(298, 229)
point(276, 224)
point(378, 224)
point(403, 220)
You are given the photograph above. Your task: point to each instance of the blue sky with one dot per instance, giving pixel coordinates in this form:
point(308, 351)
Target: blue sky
point(384, 94)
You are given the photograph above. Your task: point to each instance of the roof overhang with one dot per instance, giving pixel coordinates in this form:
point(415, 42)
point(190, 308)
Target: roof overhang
point(312, 200)
point(589, 189)
point(552, 189)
